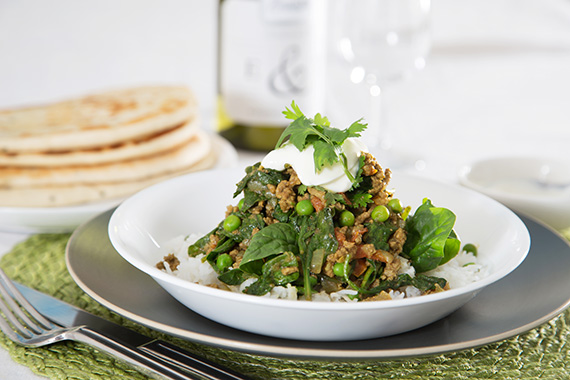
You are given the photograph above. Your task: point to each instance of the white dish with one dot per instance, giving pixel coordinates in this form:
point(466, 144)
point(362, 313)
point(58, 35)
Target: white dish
point(66, 219)
point(195, 203)
point(539, 187)
point(511, 306)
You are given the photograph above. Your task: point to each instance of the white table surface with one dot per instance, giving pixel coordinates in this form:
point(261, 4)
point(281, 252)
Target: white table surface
point(497, 82)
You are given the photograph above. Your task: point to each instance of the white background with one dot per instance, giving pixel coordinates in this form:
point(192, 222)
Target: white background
point(497, 81)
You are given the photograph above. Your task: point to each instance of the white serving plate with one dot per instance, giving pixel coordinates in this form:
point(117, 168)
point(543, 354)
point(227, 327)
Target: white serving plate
point(196, 203)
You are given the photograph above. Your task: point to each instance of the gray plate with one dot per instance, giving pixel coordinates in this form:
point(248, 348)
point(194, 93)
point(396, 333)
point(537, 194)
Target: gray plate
point(507, 308)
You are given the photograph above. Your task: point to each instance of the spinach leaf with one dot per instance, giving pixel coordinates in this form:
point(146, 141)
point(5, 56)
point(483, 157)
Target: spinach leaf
point(428, 230)
point(271, 274)
point(250, 199)
point(378, 234)
point(259, 287)
point(319, 232)
point(422, 282)
point(451, 249)
point(315, 232)
point(224, 245)
point(269, 241)
point(249, 222)
point(249, 173)
point(425, 283)
point(273, 269)
point(257, 180)
point(233, 276)
point(198, 246)
point(280, 215)
point(252, 222)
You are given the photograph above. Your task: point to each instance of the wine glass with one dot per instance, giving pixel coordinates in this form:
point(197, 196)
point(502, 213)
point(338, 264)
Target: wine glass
point(383, 41)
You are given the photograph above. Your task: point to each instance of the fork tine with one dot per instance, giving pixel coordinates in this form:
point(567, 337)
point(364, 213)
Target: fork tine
point(10, 324)
point(16, 301)
point(7, 328)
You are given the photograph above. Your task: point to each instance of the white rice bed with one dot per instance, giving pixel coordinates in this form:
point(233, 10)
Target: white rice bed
point(462, 270)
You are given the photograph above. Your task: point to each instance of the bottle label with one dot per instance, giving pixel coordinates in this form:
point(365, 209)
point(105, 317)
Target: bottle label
point(271, 54)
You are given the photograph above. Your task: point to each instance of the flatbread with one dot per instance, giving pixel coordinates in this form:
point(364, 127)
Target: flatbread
point(61, 196)
point(177, 159)
point(100, 147)
point(103, 119)
point(127, 150)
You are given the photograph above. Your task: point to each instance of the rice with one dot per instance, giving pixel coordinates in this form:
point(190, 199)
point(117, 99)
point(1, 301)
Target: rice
point(194, 269)
point(462, 270)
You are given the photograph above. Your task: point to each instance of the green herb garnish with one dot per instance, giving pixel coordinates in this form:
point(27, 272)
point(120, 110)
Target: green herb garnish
point(326, 140)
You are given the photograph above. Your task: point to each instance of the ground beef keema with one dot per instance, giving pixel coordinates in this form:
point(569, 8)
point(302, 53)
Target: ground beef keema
point(350, 242)
point(353, 244)
point(171, 260)
point(285, 192)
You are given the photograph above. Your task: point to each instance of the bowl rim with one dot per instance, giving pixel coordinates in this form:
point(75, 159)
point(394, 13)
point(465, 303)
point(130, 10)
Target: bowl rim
point(162, 276)
point(465, 178)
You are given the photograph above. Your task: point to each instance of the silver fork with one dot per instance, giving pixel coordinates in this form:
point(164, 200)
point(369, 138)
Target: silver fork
point(24, 325)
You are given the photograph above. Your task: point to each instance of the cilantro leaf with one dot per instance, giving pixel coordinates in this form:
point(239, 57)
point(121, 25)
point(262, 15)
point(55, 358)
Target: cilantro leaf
point(355, 129)
point(324, 154)
point(326, 140)
point(297, 131)
point(361, 199)
point(294, 113)
point(322, 120)
point(337, 136)
point(358, 177)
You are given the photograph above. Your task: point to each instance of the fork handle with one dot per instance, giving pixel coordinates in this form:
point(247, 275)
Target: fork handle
point(157, 357)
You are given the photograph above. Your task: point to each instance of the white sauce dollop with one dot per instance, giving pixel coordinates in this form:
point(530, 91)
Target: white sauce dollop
point(332, 178)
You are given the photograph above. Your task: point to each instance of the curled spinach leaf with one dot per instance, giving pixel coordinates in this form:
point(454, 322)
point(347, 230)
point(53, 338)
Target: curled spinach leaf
point(281, 269)
point(428, 230)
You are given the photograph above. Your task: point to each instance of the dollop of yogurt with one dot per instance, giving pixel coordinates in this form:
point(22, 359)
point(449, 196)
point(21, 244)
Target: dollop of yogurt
point(332, 177)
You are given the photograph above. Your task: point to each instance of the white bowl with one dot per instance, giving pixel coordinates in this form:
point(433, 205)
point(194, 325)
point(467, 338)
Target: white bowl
point(195, 203)
point(539, 187)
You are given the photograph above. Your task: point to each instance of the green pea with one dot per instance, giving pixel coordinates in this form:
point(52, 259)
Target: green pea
point(346, 218)
point(380, 214)
point(224, 261)
point(304, 207)
point(395, 205)
point(232, 223)
point(338, 269)
point(471, 248)
point(240, 203)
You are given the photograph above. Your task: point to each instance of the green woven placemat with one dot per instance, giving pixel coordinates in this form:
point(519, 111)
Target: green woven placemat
point(39, 262)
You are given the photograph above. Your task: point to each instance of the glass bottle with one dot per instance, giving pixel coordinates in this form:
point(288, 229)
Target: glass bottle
point(271, 52)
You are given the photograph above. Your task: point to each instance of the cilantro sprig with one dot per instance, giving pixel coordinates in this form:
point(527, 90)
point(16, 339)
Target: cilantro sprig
point(326, 140)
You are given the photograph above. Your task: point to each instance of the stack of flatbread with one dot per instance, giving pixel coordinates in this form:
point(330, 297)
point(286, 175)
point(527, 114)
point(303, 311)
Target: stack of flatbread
point(100, 147)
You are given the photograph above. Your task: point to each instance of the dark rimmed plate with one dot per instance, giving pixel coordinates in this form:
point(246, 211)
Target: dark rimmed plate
point(507, 308)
